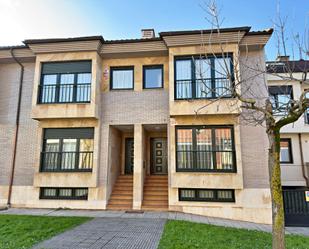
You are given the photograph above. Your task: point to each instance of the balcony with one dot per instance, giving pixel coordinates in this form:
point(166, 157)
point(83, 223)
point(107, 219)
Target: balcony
point(66, 161)
point(66, 85)
point(69, 93)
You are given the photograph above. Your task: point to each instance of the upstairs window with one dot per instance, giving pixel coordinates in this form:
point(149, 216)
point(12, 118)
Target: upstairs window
point(203, 77)
point(285, 150)
point(65, 82)
point(280, 97)
point(67, 149)
point(153, 76)
point(122, 78)
point(205, 148)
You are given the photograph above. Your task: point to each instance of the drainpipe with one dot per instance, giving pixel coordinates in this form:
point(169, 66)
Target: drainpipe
point(15, 138)
point(302, 160)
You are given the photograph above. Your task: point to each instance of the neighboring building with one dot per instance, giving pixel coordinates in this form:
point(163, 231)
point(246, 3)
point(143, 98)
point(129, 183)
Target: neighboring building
point(294, 156)
point(112, 125)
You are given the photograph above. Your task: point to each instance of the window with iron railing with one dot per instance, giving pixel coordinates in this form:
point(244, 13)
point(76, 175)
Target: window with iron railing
point(205, 149)
point(65, 82)
point(204, 77)
point(281, 98)
point(67, 149)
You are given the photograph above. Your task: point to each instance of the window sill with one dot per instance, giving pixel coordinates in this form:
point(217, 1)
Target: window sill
point(67, 171)
point(206, 171)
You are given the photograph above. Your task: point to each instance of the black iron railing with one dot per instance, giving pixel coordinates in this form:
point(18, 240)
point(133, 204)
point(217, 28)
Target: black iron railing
point(203, 88)
point(66, 161)
point(66, 93)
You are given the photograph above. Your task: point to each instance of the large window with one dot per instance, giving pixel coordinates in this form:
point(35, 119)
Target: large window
point(203, 77)
point(67, 149)
point(153, 76)
point(64, 193)
point(286, 150)
point(207, 195)
point(122, 78)
point(204, 148)
point(280, 97)
point(65, 82)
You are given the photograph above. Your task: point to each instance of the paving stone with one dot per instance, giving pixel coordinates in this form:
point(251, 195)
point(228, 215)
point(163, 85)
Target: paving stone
point(110, 233)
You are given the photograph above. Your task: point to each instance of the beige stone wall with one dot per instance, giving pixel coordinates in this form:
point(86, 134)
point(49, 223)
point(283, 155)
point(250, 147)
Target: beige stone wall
point(114, 163)
point(251, 205)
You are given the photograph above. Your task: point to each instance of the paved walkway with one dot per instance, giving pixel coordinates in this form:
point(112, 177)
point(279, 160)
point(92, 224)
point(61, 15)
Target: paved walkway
point(155, 215)
point(109, 233)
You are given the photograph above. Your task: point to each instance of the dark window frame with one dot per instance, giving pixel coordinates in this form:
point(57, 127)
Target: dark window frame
point(120, 68)
point(275, 96)
point(57, 85)
point(289, 140)
point(159, 66)
point(213, 128)
point(213, 79)
point(58, 197)
point(197, 198)
point(60, 152)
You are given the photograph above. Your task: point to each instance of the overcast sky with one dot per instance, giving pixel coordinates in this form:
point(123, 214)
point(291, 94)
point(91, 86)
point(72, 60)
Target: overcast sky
point(117, 19)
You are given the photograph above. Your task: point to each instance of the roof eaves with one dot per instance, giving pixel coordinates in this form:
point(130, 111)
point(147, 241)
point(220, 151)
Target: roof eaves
point(55, 40)
point(245, 29)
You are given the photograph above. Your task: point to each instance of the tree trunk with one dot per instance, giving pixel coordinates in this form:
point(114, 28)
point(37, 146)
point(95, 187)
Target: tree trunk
point(278, 227)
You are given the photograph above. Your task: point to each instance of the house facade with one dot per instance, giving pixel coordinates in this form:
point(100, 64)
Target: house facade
point(88, 123)
point(294, 145)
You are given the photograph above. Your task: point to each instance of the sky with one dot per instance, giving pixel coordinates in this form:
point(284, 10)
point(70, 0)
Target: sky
point(122, 19)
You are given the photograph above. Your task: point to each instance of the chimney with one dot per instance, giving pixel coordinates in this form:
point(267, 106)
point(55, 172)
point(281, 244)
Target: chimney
point(283, 58)
point(148, 33)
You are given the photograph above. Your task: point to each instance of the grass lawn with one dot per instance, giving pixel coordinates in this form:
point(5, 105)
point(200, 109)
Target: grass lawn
point(22, 231)
point(189, 235)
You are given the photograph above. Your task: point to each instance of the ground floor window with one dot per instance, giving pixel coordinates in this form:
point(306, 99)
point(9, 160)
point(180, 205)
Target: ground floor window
point(205, 148)
point(67, 149)
point(64, 193)
point(207, 195)
point(286, 150)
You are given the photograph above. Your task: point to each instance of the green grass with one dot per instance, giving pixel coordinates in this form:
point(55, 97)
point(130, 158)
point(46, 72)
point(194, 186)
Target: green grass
point(189, 235)
point(22, 231)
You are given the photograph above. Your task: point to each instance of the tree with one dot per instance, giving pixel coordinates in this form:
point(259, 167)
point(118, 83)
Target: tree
point(257, 107)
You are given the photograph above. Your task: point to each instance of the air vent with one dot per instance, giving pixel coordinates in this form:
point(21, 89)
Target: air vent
point(148, 33)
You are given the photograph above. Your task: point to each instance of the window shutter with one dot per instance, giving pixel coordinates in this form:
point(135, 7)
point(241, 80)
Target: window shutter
point(66, 67)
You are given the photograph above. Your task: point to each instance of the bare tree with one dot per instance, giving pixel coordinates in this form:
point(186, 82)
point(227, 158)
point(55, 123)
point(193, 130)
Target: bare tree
point(257, 106)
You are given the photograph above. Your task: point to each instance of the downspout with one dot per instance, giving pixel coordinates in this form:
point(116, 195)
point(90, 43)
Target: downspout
point(302, 160)
point(15, 138)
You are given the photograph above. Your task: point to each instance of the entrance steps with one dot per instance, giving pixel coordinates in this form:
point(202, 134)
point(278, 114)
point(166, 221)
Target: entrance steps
point(155, 193)
point(122, 194)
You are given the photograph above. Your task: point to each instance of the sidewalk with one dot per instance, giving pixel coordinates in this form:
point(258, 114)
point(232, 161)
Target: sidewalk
point(154, 215)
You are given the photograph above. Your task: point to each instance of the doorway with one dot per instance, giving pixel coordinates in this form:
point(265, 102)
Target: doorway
point(129, 156)
point(159, 156)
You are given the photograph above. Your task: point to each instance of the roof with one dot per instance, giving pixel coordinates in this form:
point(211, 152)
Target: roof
point(205, 31)
point(287, 66)
point(54, 40)
point(133, 40)
point(14, 47)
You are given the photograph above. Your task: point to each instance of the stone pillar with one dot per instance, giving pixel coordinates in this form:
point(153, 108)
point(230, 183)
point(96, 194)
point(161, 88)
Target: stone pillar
point(138, 172)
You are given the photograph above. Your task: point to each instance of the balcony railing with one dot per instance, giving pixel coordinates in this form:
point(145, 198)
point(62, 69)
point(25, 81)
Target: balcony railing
point(203, 88)
point(66, 93)
point(66, 161)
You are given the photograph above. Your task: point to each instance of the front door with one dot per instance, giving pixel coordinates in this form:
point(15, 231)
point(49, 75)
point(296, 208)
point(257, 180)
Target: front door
point(129, 155)
point(159, 156)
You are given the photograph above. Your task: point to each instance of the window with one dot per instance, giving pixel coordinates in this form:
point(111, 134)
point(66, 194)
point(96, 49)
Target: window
point(280, 97)
point(153, 76)
point(203, 77)
point(65, 82)
point(205, 148)
point(67, 149)
point(285, 150)
point(122, 78)
point(64, 193)
point(207, 195)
